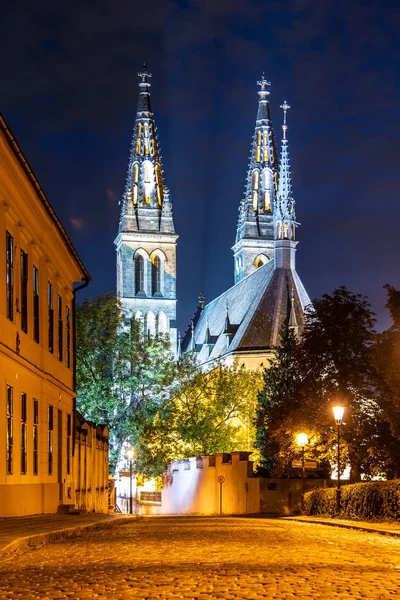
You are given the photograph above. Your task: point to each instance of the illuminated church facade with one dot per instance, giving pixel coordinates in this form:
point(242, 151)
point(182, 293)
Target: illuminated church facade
point(245, 321)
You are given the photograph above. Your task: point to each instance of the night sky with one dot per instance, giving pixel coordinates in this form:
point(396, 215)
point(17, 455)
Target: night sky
point(69, 93)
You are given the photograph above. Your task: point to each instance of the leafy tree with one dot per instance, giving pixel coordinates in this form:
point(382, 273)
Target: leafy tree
point(387, 361)
point(336, 362)
point(277, 402)
point(205, 413)
point(331, 363)
point(122, 374)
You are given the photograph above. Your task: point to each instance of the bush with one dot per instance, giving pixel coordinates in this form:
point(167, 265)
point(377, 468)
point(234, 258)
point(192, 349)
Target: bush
point(372, 500)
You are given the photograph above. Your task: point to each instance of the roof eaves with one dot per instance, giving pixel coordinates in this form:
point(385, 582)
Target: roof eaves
point(12, 142)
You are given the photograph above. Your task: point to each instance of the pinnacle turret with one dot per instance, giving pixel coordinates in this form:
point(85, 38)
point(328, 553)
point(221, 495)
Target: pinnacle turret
point(145, 203)
point(285, 217)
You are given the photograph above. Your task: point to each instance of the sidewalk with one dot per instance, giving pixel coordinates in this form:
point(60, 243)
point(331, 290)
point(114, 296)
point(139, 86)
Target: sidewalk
point(389, 528)
point(18, 533)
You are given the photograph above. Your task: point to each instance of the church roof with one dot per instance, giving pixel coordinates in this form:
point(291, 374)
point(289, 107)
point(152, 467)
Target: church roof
point(258, 305)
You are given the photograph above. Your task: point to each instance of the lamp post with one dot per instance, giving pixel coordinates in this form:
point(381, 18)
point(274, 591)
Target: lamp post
point(302, 440)
point(130, 454)
point(338, 412)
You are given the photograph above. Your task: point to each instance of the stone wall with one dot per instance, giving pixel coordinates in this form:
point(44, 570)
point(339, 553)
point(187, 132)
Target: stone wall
point(207, 485)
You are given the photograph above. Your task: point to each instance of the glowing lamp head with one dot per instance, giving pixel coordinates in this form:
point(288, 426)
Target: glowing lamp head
point(130, 453)
point(338, 412)
point(302, 439)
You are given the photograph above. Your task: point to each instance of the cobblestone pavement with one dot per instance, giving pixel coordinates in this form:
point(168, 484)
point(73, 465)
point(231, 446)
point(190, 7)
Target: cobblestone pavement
point(203, 558)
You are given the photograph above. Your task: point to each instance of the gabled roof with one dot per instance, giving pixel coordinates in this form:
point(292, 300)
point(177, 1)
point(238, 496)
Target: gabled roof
point(19, 155)
point(258, 305)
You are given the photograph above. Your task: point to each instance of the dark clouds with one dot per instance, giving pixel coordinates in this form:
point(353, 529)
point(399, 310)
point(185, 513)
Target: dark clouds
point(69, 92)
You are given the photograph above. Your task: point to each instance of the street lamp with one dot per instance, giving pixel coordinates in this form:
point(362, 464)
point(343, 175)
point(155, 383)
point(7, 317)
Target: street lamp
point(130, 454)
point(302, 440)
point(338, 412)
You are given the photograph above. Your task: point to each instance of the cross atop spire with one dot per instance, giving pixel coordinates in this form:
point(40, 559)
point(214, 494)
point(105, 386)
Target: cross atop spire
point(264, 85)
point(145, 75)
point(285, 107)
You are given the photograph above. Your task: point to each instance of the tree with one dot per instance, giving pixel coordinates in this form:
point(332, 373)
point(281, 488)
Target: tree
point(331, 363)
point(386, 358)
point(278, 401)
point(122, 374)
point(206, 413)
point(337, 367)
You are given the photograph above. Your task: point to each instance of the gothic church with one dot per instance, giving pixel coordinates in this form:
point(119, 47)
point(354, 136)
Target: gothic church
point(243, 322)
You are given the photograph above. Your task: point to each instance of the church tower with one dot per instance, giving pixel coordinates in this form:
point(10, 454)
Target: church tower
point(146, 240)
point(254, 245)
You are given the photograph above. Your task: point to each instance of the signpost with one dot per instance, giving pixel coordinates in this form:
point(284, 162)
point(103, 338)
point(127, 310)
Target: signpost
point(310, 464)
point(221, 480)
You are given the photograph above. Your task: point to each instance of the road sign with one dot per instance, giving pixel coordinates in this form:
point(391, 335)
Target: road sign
point(297, 464)
point(124, 474)
point(221, 479)
point(310, 464)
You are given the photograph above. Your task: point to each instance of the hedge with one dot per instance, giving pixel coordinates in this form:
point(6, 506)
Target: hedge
point(372, 500)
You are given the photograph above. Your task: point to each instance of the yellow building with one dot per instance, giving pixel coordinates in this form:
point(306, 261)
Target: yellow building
point(38, 269)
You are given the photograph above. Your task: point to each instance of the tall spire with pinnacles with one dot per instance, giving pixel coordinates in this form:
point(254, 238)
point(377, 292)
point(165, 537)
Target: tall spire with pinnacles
point(284, 213)
point(254, 245)
point(146, 240)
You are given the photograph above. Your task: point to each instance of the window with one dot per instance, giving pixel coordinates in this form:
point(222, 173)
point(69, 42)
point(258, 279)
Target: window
point(35, 437)
point(139, 274)
point(151, 323)
point(156, 275)
point(50, 316)
point(68, 337)
point(24, 291)
point(256, 177)
point(10, 275)
point(60, 329)
point(267, 200)
point(162, 323)
point(35, 304)
point(50, 427)
point(255, 201)
point(23, 434)
point(10, 413)
point(69, 431)
point(285, 231)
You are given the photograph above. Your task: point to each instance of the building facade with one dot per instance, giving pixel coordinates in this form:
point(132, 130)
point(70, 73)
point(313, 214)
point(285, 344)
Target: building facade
point(146, 240)
point(38, 270)
point(245, 321)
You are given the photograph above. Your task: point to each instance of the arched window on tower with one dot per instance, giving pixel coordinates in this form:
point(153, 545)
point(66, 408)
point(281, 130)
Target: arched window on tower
point(285, 231)
point(162, 323)
point(139, 274)
point(256, 178)
point(292, 232)
point(156, 275)
point(151, 323)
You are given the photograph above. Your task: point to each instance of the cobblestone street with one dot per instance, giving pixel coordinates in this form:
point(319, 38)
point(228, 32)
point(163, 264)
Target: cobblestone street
point(208, 558)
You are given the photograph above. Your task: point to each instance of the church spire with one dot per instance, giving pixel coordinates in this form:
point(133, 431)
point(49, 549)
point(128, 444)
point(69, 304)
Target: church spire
point(285, 217)
point(255, 230)
point(145, 203)
point(284, 214)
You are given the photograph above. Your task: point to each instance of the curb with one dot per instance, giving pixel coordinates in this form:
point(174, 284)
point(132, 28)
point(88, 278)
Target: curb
point(346, 526)
point(39, 539)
